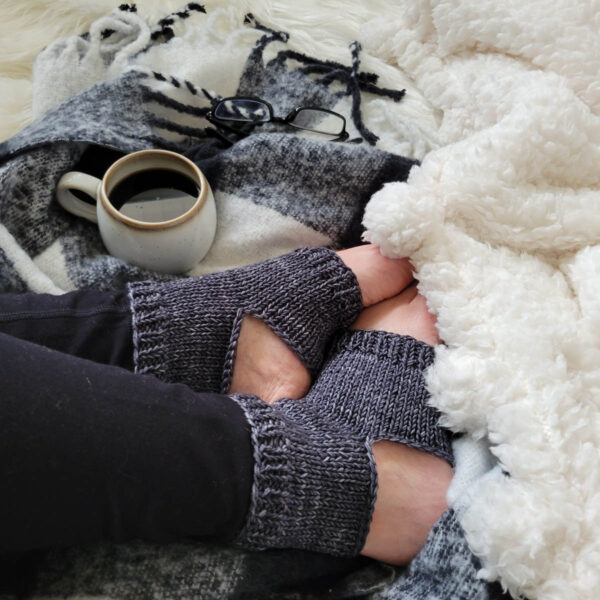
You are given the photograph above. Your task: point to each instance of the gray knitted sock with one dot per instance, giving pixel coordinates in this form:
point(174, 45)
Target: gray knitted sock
point(315, 481)
point(314, 486)
point(186, 330)
point(373, 386)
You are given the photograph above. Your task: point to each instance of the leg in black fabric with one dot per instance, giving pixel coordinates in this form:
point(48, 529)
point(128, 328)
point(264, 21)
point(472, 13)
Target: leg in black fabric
point(92, 452)
point(89, 324)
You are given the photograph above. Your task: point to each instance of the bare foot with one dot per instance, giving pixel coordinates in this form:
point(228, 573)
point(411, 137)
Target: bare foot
point(378, 277)
point(266, 367)
point(412, 484)
point(411, 497)
point(404, 314)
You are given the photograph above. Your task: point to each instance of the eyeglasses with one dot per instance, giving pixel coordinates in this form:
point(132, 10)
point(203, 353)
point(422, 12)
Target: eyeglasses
point(249, 112)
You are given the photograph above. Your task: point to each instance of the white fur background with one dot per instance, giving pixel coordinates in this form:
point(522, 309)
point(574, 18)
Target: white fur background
point(503, 225)
point(502, 222)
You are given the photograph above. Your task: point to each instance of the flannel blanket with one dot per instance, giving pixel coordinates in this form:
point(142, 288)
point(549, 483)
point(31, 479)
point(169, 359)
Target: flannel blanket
point(502, 109)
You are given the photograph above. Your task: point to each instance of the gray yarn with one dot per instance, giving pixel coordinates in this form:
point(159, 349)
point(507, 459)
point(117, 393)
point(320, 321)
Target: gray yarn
point(315, 481)
point(314, 487)
point(186, 330)
point(372, 384)
point(314, 475)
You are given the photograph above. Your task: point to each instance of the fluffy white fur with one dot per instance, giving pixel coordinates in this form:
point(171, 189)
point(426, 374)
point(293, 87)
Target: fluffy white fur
point(503, 225)
point(502, 222)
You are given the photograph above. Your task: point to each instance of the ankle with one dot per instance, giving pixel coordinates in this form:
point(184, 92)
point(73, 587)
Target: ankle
point(411, 497)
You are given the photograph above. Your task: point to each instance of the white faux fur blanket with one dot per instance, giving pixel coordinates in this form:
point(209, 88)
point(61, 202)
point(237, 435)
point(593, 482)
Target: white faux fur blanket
point(502, 222)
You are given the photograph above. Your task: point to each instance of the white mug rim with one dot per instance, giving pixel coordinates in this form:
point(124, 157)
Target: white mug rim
point(152, 225)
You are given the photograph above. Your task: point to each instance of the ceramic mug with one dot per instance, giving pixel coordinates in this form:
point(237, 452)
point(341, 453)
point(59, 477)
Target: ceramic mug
point(154, 209)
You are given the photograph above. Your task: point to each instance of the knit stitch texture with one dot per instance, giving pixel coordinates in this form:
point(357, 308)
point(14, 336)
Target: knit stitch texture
point(186, 330)
point(373, 386)
point(315, 481)
point(314, 487)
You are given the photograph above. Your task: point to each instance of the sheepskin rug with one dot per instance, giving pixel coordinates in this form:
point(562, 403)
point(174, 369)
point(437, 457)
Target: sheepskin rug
point(502, 223)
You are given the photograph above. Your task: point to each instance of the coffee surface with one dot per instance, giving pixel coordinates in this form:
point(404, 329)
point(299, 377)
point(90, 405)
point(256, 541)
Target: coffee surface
point(154, 195)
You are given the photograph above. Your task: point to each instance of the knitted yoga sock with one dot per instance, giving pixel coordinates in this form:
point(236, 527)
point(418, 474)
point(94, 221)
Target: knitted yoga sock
point(314, 487)
point(315, 481)
point(186, 330)
point(373, 386)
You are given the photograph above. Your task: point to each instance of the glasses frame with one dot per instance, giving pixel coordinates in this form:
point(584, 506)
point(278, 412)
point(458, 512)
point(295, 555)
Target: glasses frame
point(287, 120)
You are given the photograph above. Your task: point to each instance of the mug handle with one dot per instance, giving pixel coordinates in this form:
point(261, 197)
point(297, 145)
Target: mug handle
point(75, 180)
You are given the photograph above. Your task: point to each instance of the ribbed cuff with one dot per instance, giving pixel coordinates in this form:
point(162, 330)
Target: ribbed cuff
point(149, 324)
point(373, 385)
point(314, 488)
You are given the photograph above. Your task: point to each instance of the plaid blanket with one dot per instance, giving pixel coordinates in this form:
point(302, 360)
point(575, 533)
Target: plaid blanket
point(107, 93)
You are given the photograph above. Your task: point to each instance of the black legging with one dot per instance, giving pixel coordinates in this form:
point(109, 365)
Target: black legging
point(90, 451)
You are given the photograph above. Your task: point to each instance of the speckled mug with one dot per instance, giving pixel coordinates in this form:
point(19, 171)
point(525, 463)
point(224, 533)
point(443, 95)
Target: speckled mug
point(154, 209)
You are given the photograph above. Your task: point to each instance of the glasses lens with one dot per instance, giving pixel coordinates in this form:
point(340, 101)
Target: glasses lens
point(321, 121)
point(242, 109)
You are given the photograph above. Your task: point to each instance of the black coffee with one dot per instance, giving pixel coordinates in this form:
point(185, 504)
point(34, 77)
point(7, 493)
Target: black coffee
point(154, 195)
